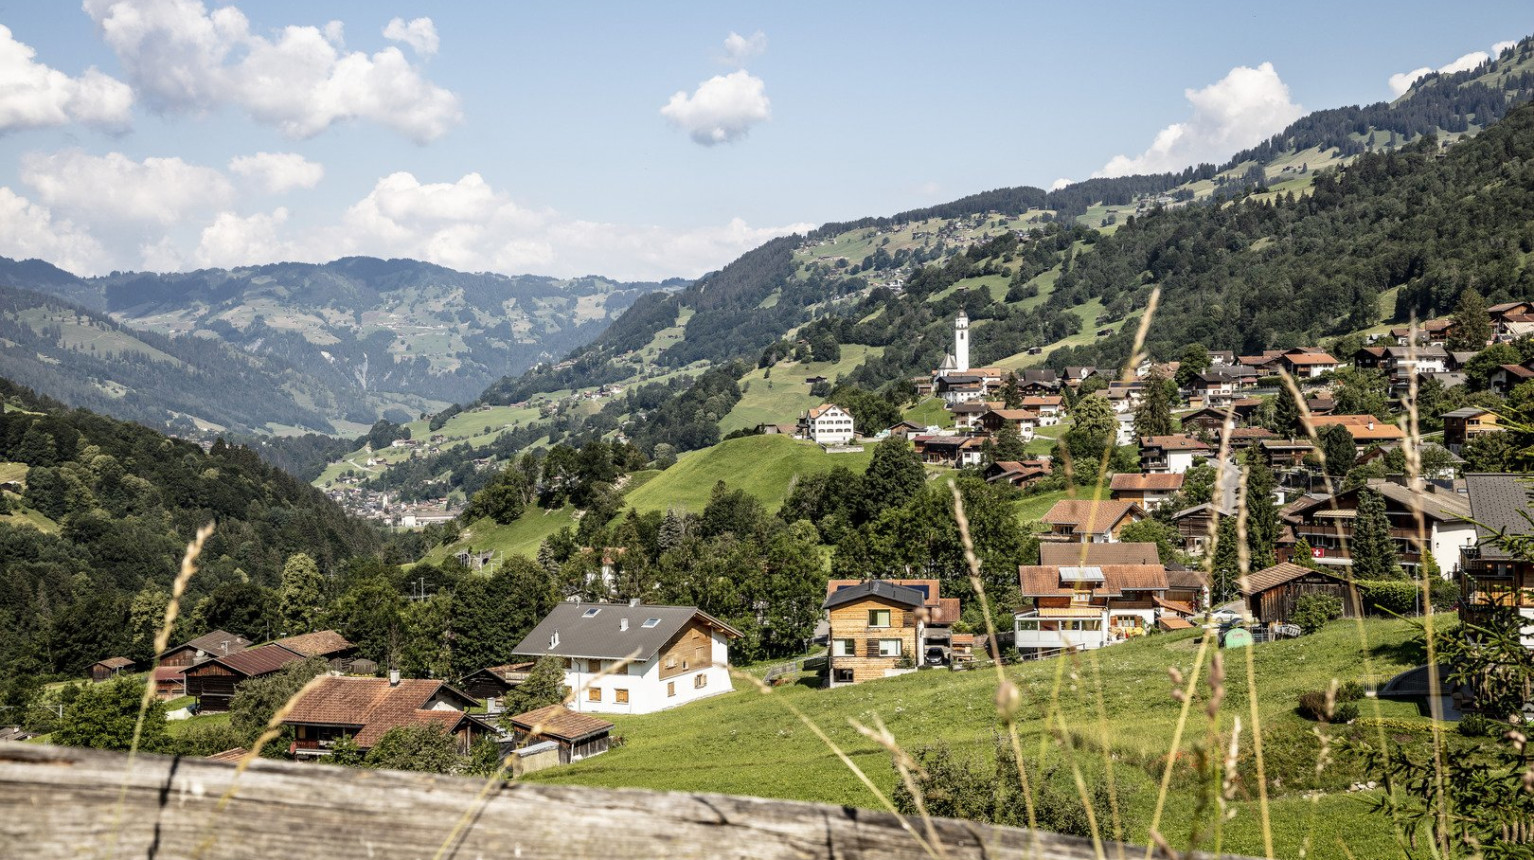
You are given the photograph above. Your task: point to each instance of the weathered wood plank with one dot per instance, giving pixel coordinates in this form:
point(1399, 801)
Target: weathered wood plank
point(62, 802)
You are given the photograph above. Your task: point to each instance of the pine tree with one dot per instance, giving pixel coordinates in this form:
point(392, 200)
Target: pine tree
point(1226, 564)
point(1303, 555)
point(1472, 324)
point(1153, 417)
point(1286, 414)
point(1009, 443)
point(1373, 551)
point(1262, 526)
point(673, 530)
point(301, 595)
point(1338, 446)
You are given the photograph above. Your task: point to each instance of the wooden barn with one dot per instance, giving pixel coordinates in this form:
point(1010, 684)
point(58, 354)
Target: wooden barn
point(491, 684)
point(579, 736)
point(213, 681)
point(102, 670)
point(1271, 593)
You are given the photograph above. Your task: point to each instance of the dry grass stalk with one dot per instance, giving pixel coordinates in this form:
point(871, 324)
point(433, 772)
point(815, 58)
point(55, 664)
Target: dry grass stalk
point(841, 756)
point(1008, 698)
point(161, 641)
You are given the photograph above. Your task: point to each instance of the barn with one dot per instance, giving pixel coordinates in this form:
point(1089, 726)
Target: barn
point(1271, 593)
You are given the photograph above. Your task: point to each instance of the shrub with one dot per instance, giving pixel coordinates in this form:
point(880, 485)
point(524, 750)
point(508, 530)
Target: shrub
point(1480, 726)
point(1445, 594)
point(1313, 705)
point(1312, 611)
point(1344, 712)
point(1350, 691)
point(1395, 596)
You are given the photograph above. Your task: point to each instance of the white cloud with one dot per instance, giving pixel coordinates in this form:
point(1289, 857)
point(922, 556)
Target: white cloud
point(114, 187)
point(1238, 111)
point(1402, 81)
point(738, 49)
point(722, 109)
point(233, 240)
point(181, 58)
point(32, 95)
point(276, 172)
point(1059, 184)
point(28, 229)
point(420, 34)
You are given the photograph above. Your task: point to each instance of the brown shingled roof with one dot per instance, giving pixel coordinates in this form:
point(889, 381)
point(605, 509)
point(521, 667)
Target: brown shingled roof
point(320, 643)
point(374, 706)
point(1278, 574)
point(1097, 553)
point(1158, 482)
point(560, 723)
point(1044, 580)
point(114, 663)
point(253, 662)
point(1099, 515)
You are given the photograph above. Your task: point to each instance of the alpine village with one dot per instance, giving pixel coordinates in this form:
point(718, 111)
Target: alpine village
point(1189, 510)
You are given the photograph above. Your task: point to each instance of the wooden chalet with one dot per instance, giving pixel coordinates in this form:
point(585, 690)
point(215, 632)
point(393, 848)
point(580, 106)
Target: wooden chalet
point(1146, 489)
point(328, 644)
point(365, 709)
point(1194, 524)
point(169, 682)
point(1462, 425)
point(1187, 586)
point(111, 667)
point(1171, 453)
point(907, 429)
point(576, 736)
point(940, 615)
point(954, 451)
point(1489, 574)
point(1086, 606)
point(876, 629)
point(1088, 521)
point(1049, 408)
point(1018, 473)
point(213, 681)
point(1306, 363)
point(1287, 452)
point(491, 684)
point(1327, 523)
point(1272, 593)
point(1021, 420)
point(1509, 376)
point(219, 643)
point(967, 415)
point(1212, 418)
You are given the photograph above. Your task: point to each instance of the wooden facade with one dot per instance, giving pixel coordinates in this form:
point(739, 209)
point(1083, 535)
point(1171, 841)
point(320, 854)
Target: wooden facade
point(861, 633)
point(691, 649)
point(1276, 603)
point(212, 684)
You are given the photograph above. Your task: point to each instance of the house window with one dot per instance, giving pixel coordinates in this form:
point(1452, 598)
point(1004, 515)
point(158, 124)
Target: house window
point(889, 647)
point(843, 648)
point(670, 688)
point(699, 681)
point(621, 696)
point(878, 618)
point(1028, 624)
point(594, 694)
point(842, 676)
point(593, 666)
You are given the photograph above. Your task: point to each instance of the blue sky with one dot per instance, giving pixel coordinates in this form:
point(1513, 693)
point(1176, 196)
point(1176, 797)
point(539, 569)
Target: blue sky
point(637, 140)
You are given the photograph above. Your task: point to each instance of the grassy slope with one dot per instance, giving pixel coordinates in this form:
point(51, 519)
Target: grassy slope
point(1031, 508)
point(518, 538)
point(781, 397)
point(748, 743)
point(763, 466)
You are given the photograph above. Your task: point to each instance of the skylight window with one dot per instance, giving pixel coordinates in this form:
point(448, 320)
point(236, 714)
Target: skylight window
point(591, 613)
point(651, 622)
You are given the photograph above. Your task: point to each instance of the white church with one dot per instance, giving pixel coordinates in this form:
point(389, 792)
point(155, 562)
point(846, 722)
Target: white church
point(954, 380)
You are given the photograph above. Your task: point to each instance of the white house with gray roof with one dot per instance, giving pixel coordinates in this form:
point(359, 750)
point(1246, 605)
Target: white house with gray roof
point(676, 654)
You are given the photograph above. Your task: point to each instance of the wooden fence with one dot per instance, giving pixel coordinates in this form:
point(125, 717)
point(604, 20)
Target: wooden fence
point(74, 803)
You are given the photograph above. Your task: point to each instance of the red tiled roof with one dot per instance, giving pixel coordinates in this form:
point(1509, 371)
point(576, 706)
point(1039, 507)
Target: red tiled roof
point(561, 723)
point(374, 706)
point(1044, 580)
point(320, 643)
point(1172, 622)
point(1173, 443)
point(253, 661)
point(1097, 553)
point(1160, 482)
point(1366, 427)
point(1303, 358)
point(1098, 516)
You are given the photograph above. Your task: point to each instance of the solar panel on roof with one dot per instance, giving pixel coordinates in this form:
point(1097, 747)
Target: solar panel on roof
point(1082, 574)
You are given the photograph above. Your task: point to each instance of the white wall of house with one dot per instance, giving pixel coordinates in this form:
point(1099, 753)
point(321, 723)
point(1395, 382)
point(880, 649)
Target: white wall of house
point(647, 693)
point(1178, 462)
point(832, 427)
point(1446, 540)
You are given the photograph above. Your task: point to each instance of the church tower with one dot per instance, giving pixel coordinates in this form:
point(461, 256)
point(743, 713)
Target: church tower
point(961, 342)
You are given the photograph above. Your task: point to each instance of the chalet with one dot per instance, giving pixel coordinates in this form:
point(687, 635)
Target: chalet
point(907, 429)
point(1049, 408)
point(1371, 358)
point(1508, 376)
point(491, 684)
point(1038, 382)
point(1462, 425)
point(1287, 452)
point(777, 430)
point(676, 654)
point(1175, 454)
point(1490, 575)
point(1212, 418)
point(1088, 521)
point(1021, 420)
point(1265, 363)
point(934, 633)
point(1432, 332)
point(1321, 405)
point(219, 643)
point(1086, 606)
point(1212, 389)
point(575, 736)
point(328, 644)
point(1097, 554)
point(1402, 363)
point(1242, 438)
point(1221, 358)
point(815, 380)
point(103, 670)
point(876, 628)
point(1272, 593)
point(1123, 400)
point(1194, 525)
point(1306, 364)
point(1511, 320)
point(169, 682)
point(954, 451)
point(827, 424)
point(966, 415)
point(1146, 490)
point(1187, 586)
point(1445, 378)
point(365, 709)
point(1074, 376)
point(1458, 360)
point(213, 681)
point(960, 388)
point(1324, 523)
point(1018, 473)
point(1365, 429)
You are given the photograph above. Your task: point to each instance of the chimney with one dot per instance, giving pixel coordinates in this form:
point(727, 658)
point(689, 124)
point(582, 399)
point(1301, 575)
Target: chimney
point(394, 677)
point(633, 601)
point(554, 640)
point(623, 624)
point(1371, 424)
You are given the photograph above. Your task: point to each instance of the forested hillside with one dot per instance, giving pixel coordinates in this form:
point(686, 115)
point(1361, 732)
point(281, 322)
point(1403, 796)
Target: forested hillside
point(97, 513)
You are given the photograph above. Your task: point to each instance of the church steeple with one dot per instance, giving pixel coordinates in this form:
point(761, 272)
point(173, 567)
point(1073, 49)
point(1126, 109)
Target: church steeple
point(961, 342)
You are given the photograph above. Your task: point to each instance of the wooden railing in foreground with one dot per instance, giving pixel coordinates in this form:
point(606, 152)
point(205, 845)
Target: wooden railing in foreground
point(60, 802)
